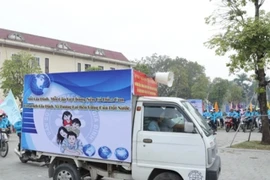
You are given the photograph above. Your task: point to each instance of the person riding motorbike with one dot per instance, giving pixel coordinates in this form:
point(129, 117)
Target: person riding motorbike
point(249, 117)
point(236, 118)
point(8, 125)
point(3, 126)
point(206, 114)
point(220, 116)
point(213, 120)
point(18, 128)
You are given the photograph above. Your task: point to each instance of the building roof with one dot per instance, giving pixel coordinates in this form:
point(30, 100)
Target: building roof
point(59, 44)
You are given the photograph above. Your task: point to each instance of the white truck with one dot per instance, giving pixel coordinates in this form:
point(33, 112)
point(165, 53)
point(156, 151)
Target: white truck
point(111, 124)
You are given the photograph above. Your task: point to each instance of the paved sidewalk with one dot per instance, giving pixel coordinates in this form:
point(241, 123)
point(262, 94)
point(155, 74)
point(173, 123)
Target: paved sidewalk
point(224, 138)
point(238, 164)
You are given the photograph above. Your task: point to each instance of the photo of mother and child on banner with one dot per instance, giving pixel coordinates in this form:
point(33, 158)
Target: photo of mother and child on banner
point(68, 133)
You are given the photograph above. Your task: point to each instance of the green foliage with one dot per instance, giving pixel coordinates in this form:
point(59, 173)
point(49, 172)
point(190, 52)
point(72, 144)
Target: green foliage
point(190, 80)
point(13, 71)
point(93, 68)
point(248, 38)
point(219, 88)
point(198, 89)
point(235, 93)
point(244, 82)
point(142, 68)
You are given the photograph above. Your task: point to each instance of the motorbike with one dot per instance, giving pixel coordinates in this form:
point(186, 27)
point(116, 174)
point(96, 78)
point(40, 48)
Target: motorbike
point(260, 125)
point(28, 155)
point(244, 124)
point(229, 124)
point(3, 143)
point(208, 120)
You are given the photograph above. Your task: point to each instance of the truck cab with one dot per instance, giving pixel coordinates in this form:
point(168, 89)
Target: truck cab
point(170, 153)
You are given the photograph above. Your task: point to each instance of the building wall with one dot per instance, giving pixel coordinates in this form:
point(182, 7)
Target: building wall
point(59, 62)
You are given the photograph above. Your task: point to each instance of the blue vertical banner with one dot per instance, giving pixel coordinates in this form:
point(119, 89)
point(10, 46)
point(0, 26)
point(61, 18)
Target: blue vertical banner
point(10, 107)
point(197, 103)
point(86, 114)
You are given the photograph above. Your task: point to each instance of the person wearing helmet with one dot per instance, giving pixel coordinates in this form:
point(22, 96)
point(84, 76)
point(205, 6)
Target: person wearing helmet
point(3, 125)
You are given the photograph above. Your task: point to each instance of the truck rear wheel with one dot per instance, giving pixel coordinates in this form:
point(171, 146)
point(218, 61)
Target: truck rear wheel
point(167, 176)
point(66, 172)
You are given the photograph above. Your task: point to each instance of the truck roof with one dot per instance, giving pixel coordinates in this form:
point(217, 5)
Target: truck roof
point(151, 98)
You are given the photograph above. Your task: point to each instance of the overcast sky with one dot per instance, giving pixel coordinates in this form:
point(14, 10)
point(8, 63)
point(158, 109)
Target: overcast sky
point(135, 28)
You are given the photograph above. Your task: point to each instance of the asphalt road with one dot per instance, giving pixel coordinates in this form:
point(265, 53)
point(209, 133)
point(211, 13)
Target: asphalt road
point(236, 164)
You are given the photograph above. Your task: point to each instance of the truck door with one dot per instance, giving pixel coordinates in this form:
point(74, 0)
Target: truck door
point(161, 144)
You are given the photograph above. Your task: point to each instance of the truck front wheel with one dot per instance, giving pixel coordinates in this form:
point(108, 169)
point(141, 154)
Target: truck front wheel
point(167, 176)
point(66, 172)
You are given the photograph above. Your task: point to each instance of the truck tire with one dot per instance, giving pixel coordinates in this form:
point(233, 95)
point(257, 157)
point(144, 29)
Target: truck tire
point(66, 171)
point(167, 176)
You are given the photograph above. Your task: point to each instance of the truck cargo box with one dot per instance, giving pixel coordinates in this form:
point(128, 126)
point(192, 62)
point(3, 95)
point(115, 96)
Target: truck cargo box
point(84, 114)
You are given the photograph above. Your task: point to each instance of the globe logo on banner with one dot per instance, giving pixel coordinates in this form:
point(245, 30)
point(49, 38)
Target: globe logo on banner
point(39, 84)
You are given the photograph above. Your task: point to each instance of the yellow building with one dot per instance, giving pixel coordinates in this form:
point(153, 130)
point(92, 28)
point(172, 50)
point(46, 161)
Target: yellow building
point(59, 56)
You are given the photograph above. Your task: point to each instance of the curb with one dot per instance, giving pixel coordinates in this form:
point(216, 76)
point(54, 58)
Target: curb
point(243, 150)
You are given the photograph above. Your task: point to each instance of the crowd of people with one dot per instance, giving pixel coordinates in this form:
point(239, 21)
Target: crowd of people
point(217, 117)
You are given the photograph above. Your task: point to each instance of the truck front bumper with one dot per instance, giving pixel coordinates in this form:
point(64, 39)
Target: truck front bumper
point(212, 173)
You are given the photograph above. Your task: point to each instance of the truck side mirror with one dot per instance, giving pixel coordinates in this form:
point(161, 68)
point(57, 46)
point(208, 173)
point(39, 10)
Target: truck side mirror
point(189, 127)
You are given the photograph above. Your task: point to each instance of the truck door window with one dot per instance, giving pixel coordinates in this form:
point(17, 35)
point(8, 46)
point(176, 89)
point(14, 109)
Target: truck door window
point(163, 118)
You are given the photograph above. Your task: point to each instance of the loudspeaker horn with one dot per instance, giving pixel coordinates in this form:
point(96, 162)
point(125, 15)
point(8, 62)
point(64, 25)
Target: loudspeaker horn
point(166, 78)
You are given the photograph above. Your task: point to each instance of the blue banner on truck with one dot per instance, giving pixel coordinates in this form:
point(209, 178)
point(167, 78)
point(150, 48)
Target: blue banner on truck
point(86, 114)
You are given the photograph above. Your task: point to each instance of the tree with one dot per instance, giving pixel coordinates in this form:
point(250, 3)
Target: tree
point(13, 71)
point(93, 68)
point(248, 39)
point(190, 80)
point(218, 90)
point(235, 93)
point(199, 88)
point(142, 68)
point(244, 82)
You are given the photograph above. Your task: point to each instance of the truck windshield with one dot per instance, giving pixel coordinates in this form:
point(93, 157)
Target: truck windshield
point(198, 117)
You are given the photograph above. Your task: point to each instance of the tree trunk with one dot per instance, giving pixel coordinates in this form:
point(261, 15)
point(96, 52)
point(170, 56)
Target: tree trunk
point(262, 88)
point(263, 107)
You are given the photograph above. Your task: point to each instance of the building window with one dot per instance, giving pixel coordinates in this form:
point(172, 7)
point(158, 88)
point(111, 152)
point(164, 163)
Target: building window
point(86, 66)
point(101, 67)
point(16, 37)
point(36, 60)
point(79, 67)
point(112, 68)
point(14, 56)
point(99, 52)
point(47, 64)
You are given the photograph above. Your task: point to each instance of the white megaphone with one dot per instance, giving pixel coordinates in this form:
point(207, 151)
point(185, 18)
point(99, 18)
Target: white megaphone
point(166, 78)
